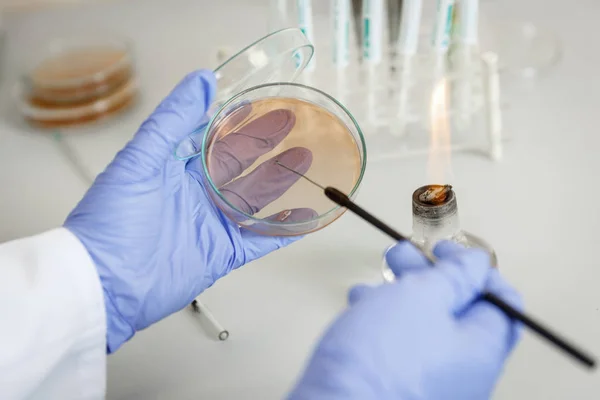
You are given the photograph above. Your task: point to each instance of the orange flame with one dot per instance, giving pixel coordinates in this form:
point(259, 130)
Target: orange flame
point(439, 168)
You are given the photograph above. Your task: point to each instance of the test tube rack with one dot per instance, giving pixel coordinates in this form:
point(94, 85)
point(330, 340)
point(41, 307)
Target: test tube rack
point(407, 106)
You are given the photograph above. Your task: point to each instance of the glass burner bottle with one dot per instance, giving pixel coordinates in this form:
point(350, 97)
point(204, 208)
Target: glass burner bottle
point(435, 218)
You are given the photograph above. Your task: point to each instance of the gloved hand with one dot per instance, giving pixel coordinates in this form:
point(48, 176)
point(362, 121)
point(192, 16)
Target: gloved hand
point(154, 235)
point(421, 337)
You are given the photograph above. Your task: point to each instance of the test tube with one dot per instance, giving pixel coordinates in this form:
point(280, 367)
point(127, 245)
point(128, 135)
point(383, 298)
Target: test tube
point(305, 23)
point(410, 24)
point(408, 44)
point(278, 17)
point(467, 11)
point(199, 308)
point(443, 26)
point(469, 22)
point(357, 7)
point(393, 14)
point(372, 31)
point(341, 32)
point(373, 97)
point(441, 35)
point(493, 111)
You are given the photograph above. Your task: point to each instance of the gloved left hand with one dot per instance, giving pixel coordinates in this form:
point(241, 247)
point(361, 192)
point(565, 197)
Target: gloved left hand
point(155, 237)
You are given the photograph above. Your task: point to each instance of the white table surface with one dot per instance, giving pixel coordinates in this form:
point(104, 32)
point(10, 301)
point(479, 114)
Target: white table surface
point(277, 307)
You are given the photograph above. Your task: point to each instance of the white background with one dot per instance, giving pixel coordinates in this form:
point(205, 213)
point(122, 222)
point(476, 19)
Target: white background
point(538, 207)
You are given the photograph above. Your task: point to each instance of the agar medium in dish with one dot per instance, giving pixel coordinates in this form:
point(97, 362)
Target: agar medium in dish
point(301, 128)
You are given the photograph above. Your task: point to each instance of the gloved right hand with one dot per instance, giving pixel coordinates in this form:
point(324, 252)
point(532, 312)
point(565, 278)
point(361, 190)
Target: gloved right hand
point(421, 337)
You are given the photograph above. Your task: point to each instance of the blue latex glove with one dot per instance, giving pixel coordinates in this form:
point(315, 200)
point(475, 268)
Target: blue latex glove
point(421, 337)
point(154, 235)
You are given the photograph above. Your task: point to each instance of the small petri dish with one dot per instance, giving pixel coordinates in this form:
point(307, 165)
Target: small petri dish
point(258, 143)
point(43, 115)
point(278, 57)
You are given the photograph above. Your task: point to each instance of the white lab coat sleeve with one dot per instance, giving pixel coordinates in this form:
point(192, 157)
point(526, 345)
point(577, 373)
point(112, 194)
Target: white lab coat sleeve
point(52, 320)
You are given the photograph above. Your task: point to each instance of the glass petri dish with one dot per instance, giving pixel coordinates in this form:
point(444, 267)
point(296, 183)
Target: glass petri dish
point(76, 70)
point(278, 57)
point(260, 140)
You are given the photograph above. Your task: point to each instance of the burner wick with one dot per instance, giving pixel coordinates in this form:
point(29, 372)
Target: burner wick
point(435, 194)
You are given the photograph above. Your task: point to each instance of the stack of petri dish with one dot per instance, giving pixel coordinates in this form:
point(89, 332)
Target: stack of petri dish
point(78, 81)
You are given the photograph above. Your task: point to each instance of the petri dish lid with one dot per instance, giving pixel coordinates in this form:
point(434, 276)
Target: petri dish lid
point(278, 57)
